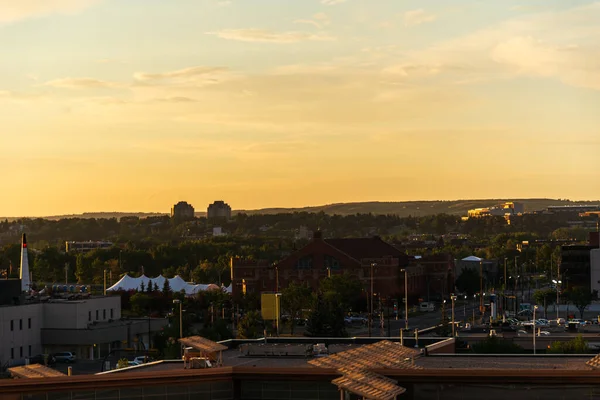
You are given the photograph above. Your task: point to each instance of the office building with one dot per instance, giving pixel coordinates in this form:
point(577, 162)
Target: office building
point(218, 209)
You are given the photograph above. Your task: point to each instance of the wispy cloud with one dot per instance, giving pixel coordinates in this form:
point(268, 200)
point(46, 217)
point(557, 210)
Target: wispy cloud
point(332, 2)
point(16, 10)
point(418, 17)
point(81, 83)
point(263, 35)
point(198, 73)
point(318, 20)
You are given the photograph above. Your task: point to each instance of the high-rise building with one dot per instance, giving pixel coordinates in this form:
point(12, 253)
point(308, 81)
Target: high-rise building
point(218, 209)
point(182, 210)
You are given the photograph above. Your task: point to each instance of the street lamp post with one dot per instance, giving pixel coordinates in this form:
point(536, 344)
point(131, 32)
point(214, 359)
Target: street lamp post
point(177, 301)
point(373, 265)
point(534, 334)
point(473, 321)
point(453, 298)
point(405, 297)
point(465, 309)
point(556, 283)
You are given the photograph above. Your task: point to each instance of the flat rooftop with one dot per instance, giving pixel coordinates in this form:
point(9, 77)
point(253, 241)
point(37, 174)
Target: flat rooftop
point(504, 362)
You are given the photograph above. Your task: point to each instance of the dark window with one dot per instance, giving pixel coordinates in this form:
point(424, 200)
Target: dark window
point(112, 314)
point(89, 315)
point(12, 325)
point(97, 314)
point(29, 350)
point(20, 324)
point(12, 352)
point(28, 323)
point(304, 263)
point(104, 314)
point(21, 351)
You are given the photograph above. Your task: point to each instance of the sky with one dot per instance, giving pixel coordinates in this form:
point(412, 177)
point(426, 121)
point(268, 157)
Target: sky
point(134, 105)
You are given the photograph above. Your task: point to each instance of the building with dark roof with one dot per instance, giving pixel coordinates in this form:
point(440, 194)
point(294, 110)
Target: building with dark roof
point(321, 257)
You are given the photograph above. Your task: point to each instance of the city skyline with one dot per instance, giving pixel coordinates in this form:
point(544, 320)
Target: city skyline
point(112, 106)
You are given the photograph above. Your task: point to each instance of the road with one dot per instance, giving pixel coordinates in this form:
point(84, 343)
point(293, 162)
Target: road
point(421, 321)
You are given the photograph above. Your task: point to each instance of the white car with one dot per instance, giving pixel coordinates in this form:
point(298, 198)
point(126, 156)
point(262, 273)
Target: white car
point(140, 360)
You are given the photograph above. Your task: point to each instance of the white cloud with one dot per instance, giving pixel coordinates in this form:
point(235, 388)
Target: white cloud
point(332, 2)
point(263, 35)
point(318, 20)
point(418, 17)
point(15, 10)
point(81, 83)
point(186, 74)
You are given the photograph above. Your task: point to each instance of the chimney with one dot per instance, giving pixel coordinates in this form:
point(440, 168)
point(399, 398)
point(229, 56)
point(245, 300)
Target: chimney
point(24, 274)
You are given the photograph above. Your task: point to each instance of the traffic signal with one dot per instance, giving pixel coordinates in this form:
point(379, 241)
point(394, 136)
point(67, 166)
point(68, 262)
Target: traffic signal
point(395, 306)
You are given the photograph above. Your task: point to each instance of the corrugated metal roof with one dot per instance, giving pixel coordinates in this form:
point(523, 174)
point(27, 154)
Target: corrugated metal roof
point(34, 371)
point(202, 344)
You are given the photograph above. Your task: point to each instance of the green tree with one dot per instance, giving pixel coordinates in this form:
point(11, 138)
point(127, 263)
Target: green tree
point(495, 345)
point(545, 297)
point(140, 303)
point(581, 298)
point(468, 281)
point(574, 346)
point(295, 298)
point(251, 326)
point(122, 363)
point(326, 319)
point(167, 288)
point(343, 289)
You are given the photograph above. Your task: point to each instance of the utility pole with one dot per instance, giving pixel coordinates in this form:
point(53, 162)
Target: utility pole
point(66, 273)
point(481, 286)
point(371, 295)
point(504, 293)
point(453, 298)
point(405, 297)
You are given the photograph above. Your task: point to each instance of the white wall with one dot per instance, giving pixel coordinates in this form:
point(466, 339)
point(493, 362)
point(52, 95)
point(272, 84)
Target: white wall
point(78, 314)
point(21, 335)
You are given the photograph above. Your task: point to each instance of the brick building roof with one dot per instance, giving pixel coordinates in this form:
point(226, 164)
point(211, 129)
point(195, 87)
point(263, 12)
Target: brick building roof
point(359, 248)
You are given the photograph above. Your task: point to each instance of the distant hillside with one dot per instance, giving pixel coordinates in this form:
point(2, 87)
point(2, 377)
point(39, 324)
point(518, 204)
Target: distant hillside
point(401, 208)
point(416, 208)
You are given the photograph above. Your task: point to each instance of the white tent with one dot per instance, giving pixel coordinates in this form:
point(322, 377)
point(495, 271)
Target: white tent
point(472, 258)
point(177, 284)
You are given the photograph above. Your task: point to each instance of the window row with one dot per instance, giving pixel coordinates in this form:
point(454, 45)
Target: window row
point(12, 324)
point(12, 352)
point(112, 315)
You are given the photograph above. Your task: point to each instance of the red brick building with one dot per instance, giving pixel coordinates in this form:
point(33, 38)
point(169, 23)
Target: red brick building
point(321, 256)
point(434, 276)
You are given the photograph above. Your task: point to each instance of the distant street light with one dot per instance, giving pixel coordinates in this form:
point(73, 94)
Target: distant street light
point(534, 334)
point(556, 283)
point(405, 297)
point(177, 301)
point(453, 298)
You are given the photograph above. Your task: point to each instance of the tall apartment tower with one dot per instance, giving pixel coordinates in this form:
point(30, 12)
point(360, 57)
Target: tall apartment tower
point(182, 211)
point(218, 209)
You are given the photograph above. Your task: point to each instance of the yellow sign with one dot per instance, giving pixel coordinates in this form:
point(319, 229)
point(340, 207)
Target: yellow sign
point(270, 306)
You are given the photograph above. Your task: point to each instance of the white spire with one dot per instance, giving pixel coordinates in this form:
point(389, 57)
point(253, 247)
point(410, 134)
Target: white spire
point(25, 277)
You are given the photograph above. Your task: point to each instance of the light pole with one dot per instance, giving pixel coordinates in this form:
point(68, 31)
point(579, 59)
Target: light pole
point(405, 297)
point(534, 308)
point(473, 321)
point(371, 295)
point(453, 298)
point(465, 309)
point(177, 301)
point(556, 283)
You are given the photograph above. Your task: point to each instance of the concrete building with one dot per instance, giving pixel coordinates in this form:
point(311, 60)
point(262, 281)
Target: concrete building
point(500, 210)
point(595, 269)
point(182, 211)
point(218, 209)
point(90, 327)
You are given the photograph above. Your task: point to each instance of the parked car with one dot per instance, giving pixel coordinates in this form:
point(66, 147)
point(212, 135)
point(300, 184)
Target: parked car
point(141, 360)
point(42, 359)
point(65, 356)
